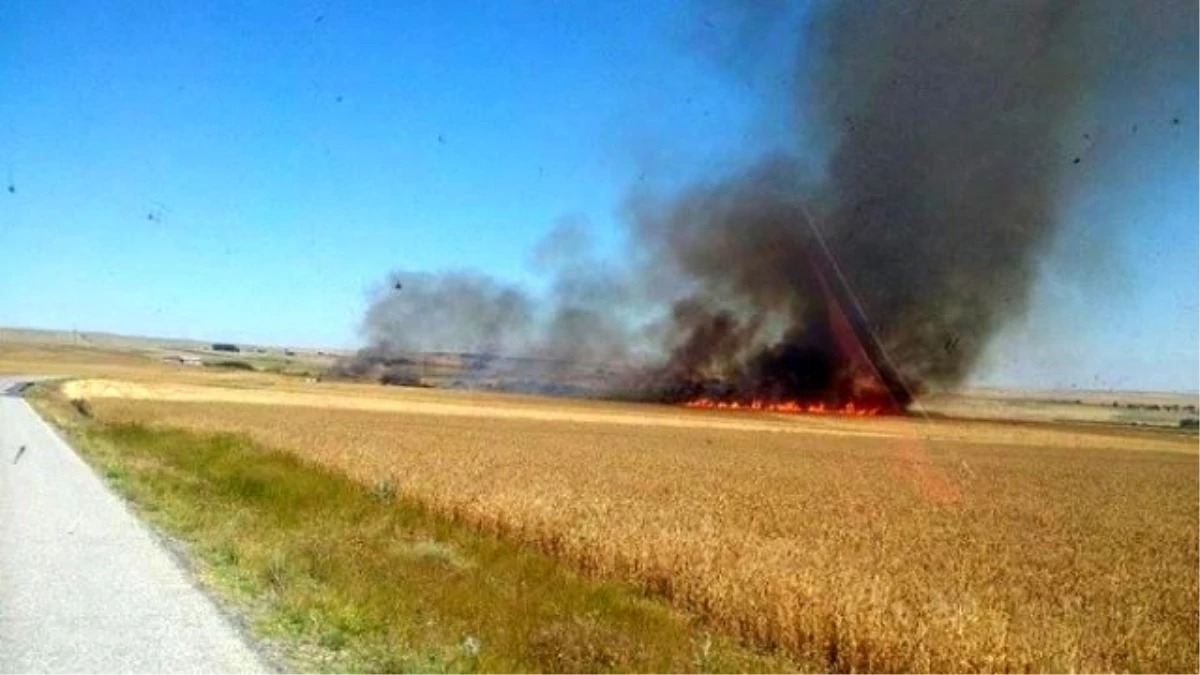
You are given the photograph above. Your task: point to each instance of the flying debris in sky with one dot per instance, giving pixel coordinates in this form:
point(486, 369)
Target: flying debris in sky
point(158, 212)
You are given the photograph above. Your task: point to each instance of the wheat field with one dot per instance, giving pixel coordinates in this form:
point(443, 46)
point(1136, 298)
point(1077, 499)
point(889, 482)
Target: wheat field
point(882, 545)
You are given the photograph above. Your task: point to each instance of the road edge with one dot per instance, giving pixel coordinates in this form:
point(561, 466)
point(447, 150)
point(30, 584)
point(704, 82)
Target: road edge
point(177, 551)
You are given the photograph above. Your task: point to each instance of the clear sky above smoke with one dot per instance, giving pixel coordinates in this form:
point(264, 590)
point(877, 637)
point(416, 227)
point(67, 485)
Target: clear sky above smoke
point(248, 174)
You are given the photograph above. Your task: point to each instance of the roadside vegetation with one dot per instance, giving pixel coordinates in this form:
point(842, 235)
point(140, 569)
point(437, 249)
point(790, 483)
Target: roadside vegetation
point(338, 575)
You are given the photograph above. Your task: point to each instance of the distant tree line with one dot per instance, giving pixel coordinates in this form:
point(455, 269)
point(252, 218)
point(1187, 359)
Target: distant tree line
point(1169, 407)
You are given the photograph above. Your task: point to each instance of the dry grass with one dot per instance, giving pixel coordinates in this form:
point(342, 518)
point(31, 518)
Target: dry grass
point(862, 545)
point(140, 366)
point(57, 359)
point(198, 386)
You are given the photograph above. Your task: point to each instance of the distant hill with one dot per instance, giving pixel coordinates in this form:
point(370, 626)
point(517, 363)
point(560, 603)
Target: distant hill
point(85, 338)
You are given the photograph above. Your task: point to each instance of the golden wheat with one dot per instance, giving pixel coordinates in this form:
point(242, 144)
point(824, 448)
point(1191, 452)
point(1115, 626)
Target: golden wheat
point(888, 552)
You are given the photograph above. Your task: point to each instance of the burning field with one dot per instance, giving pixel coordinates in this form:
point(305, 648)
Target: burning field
point(870, 255)
point(749, 358)
point(868, 258)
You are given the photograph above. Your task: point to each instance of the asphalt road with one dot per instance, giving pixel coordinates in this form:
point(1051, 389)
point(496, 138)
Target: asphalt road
point(84, 586)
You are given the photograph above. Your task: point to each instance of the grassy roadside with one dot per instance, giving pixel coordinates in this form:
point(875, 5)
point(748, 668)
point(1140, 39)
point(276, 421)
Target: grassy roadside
point(341, 577)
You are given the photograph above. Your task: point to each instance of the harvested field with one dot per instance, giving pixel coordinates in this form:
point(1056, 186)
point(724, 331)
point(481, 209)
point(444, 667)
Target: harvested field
point(877, 544)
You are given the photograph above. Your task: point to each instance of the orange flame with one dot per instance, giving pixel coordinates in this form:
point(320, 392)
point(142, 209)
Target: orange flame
point(849, 409)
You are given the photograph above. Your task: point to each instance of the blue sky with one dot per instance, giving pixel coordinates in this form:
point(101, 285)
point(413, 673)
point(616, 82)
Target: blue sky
point(248, 171)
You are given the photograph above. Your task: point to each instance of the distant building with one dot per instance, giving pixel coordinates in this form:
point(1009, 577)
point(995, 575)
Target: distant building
point(184, 359)
point(225, 347)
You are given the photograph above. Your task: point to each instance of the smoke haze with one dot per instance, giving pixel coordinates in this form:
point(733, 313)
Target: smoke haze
point(950, 133)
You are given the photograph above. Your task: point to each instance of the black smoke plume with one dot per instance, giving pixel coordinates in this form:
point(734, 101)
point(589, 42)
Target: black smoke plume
point(949, 132)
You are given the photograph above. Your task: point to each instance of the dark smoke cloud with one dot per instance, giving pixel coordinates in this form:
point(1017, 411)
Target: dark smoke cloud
point(454, 311)
point(948, 167)
point(949, 129)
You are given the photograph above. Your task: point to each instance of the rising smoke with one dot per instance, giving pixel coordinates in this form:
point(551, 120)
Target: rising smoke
point(948, 128)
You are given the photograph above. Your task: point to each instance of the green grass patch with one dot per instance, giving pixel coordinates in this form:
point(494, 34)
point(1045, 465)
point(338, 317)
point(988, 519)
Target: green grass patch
point(232, 365)
point(345, 577)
